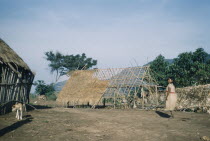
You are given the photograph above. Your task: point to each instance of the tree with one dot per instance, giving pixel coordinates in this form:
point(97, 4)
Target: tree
point(189, 68)
point(43, 89)
point(62, 64)
point(159, 68)
point(182, 69)
point(77, 62)
point(56, 63)
point(200, 56)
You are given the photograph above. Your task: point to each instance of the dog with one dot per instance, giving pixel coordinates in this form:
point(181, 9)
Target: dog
point(19, 108)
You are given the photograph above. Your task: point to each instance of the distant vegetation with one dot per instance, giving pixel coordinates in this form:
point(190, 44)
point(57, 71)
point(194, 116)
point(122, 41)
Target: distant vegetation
point(44, 89)
point(189, 68)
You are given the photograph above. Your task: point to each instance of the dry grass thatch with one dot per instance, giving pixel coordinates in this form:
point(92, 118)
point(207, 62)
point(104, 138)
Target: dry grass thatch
point(8, 55)
point(82, 89)
point(196, 96)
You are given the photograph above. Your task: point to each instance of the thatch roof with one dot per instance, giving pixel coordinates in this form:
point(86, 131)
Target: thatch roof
point(82, 88)
point(8, 56)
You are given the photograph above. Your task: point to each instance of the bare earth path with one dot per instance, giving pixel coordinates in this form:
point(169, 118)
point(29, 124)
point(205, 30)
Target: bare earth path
point(62, 124)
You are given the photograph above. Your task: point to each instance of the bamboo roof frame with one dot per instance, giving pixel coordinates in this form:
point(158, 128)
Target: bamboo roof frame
point(123, 80)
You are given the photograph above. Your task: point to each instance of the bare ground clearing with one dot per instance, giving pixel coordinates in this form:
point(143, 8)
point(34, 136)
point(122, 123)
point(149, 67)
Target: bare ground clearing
point(66, 124)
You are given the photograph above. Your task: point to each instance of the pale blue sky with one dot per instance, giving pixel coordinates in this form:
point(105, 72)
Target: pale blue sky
point(115, 32)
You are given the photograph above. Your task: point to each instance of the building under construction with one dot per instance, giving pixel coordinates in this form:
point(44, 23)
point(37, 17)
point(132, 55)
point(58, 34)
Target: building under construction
point(117, 87)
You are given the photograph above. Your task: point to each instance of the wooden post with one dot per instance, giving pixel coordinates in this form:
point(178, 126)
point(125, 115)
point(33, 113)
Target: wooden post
point(156, 94)
point(114, 100)
point(134, 99)
point(104, 102)
point(142, 93)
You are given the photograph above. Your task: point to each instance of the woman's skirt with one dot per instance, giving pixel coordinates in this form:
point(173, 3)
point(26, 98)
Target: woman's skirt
point(171, 101)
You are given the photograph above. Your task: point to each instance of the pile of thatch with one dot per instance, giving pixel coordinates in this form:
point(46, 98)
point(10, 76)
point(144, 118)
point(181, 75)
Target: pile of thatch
point(191, 97)
point(82, 89)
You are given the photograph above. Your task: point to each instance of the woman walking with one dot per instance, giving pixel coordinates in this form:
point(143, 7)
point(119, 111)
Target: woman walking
point(171, 96)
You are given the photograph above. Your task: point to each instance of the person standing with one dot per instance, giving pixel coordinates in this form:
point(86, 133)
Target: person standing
point(171, 96)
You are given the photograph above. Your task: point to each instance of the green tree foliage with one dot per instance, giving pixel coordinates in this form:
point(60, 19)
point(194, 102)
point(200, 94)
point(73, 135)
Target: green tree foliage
point(189, 68)
point(77, 62)
point(200, 56)
point(182, 68)
point(62, 64)
point(56, 62)
point(159, 68)
point(43, 89)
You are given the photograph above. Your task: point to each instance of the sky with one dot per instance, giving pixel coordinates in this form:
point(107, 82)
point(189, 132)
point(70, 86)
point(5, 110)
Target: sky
point(117, 33)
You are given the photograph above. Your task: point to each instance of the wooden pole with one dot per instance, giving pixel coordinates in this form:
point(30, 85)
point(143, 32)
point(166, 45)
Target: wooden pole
point(156, 94)
point(114, 100)
point(134, 99)
point(142, 93)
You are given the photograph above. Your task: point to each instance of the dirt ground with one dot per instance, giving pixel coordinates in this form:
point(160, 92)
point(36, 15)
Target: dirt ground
point(68, 124)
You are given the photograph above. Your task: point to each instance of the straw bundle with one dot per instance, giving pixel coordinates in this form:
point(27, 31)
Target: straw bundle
point(196, 96)
point(82, 89)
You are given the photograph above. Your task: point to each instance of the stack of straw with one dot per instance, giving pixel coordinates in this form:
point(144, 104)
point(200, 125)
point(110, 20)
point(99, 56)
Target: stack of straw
point(82, 89)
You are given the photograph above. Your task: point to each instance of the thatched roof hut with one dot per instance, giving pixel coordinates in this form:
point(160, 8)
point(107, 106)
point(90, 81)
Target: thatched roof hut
point(15, 78)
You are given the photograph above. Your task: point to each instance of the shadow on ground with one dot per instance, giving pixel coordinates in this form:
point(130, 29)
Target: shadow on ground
point(33, 107)
point(42, 107)
point(16, 125)
point(164, 115)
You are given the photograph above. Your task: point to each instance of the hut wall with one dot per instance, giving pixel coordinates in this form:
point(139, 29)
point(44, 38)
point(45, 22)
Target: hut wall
point(14, 86)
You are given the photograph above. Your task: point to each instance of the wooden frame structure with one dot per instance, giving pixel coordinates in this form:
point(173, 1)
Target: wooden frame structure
point(15, 78)
point(128, 84)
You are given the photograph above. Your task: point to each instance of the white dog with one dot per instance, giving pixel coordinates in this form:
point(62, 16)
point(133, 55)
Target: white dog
point(19, 108)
